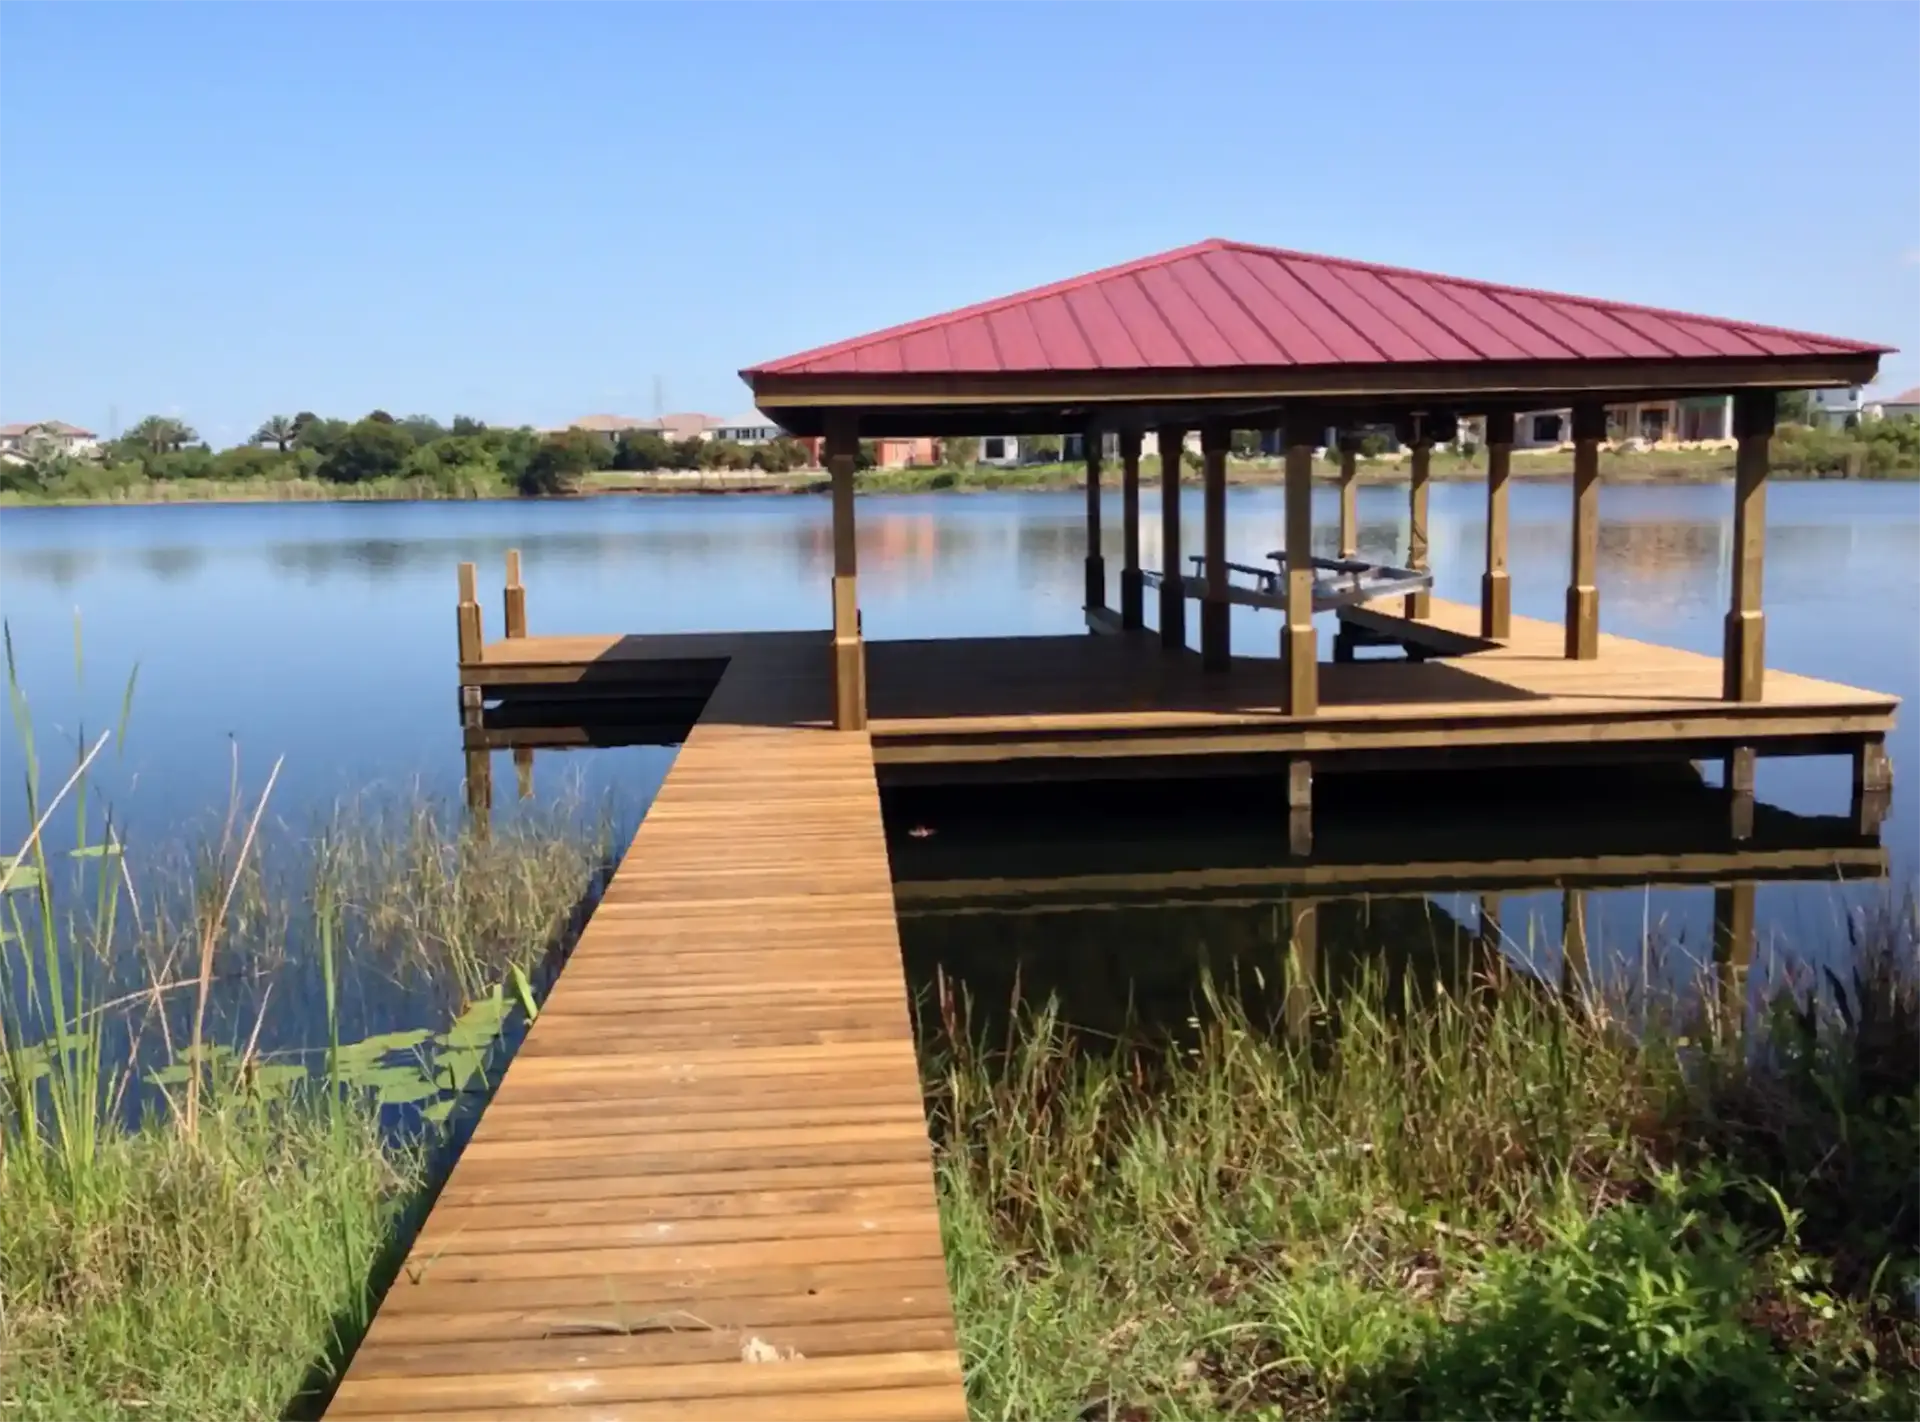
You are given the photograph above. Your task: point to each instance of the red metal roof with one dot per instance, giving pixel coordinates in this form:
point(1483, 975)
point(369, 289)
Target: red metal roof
point(1224, 304)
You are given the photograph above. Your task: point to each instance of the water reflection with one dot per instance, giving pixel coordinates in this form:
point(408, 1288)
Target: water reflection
point(1122, 901)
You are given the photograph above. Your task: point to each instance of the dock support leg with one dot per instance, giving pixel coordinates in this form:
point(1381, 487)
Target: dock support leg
point(1575, 971)
point(1173, 592)
point(1490, 931)
point(1300, 808)
point(849, 654)
point(1216, 646)
point(1583, 593)
point(479, 788)
point(1419, 604)
point(1733, 937)
point(514, 598)
point(1739, 777)
point(1349, 495)
point(1872, 785)
point(1299, 652)
point(523, 771)
point(1303, 965)
point(1743, 658)
point(1132, 588)
point(1096, 592)
point(1496, 590)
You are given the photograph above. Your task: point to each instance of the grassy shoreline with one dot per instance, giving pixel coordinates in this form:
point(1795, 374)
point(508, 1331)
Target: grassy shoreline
point(1678, 467)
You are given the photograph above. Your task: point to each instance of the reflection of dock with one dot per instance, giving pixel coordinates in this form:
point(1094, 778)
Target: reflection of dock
point(703, 1187)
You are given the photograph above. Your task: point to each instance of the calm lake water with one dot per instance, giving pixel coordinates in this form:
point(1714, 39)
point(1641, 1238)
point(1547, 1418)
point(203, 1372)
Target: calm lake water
point(324, 633)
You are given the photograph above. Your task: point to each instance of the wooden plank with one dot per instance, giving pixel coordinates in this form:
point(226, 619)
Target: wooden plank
point(1582, 640)
point(717, 1115)
point(1349, 496)
point(1299, 652)
point(1744, 654)
point(1418, 603)
point(1496, 588)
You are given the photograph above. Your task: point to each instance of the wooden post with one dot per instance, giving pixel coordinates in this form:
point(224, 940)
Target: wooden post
point(1132, 590)
point(1739, 774)
point(470, 632)
point(849, 655)
point(1743, 660)
point(1872, 785)
point(515, 597)
point(1574, 968)
point(1583, 595)
point(1096, 564)
point(1490, 930)
point(1496, 592)
point(480, 790)
point(523, 771)
point(1299, 653)
point(1419, 604)
point(1303, 964)
point(1300, 808)
point(1349, 495)
point(1173, 592)
point(1216, 644)
point(1733, 938)
point(472, 708)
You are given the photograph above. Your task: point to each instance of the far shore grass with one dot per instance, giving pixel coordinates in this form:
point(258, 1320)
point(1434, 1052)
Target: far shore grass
point(1621, 466)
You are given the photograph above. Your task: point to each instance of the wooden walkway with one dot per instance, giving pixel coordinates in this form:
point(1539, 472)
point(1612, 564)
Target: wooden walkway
point(703, 1189)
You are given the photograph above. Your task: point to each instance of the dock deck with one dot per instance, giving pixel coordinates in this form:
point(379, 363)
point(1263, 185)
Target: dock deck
point(703, 1188)
point(1016, 706)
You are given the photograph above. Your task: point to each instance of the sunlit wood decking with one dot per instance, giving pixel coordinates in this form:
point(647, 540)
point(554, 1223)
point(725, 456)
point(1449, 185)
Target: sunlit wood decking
point(703, 1188)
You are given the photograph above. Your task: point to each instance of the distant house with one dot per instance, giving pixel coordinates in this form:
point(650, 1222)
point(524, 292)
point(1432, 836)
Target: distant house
point(1702, 420)
point(609, 427)
point(750, 428)
point(1835, 407)
point(1893, 407)
point(688, 426)
point(63, 438)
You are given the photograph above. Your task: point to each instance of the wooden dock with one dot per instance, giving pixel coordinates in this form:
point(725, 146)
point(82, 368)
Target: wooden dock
point(703, 1188)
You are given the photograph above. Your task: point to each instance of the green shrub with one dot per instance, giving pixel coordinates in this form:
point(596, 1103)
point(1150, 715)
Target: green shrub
point(371, 449)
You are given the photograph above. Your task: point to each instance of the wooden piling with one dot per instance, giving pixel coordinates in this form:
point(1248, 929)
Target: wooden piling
point(515, 597)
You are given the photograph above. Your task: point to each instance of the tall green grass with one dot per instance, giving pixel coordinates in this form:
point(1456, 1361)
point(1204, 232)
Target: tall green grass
point(192, 1225)
point(1496, 1200)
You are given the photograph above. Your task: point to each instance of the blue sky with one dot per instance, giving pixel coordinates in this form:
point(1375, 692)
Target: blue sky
point(530, 213)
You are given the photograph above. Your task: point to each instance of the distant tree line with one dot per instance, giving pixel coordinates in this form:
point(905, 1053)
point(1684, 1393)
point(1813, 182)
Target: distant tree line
point(465, 458)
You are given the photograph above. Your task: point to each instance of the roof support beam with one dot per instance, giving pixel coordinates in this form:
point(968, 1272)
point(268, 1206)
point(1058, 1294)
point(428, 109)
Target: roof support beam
point(1496, 590)
point(1173, 597)
point(1583, 594)
point(1096, 564)
point(1132, 586)
point(1299, 652)
point(1216, 645)
point(1349, 495)
point(849, 655)
point(1744, 657)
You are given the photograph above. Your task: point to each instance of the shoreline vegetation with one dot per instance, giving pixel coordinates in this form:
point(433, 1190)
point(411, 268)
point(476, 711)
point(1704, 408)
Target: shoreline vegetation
point(1465, 1193)
point(308, 459)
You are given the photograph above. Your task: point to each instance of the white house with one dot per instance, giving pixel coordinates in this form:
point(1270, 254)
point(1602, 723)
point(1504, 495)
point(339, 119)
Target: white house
point(1835, 407)
point(750, 428)
point(61, 437)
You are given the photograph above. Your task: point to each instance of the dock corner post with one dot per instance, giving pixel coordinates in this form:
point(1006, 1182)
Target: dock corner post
point(1096, 563)
point(1132, 588)
point(470, 632)
point(514, 598)
point(1496, 590)
point(1583, 592)
point(1744, 657)
point(849, 654)
point(1349, 494)
point(1216, 626)
point(1872, 785)
point(1302, 966)
point(1739, 777)
point(1173, 588)
point(1417, 433)
point(1299, 651)
point(1300, 807)
point(1733, 939)
point(523, 771)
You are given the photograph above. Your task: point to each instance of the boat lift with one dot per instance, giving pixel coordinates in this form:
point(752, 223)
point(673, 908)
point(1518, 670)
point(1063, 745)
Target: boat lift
point(1337, 582)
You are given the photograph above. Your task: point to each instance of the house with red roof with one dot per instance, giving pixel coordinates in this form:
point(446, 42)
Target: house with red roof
point(16, 440)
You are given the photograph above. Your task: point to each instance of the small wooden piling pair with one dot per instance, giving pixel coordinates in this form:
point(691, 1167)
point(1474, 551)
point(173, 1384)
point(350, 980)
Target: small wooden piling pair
point(470, 627)
point(472, 650)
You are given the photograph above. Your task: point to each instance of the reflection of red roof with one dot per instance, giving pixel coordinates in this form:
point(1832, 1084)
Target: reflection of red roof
point(1221, 304)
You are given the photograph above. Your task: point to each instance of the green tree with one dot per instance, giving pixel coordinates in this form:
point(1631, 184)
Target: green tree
point(320, 436)
point(368, 450)
point(643, 450)
point(1794, 407)
point(961, 452)
point(161, 434)
point(276, 430)
point(467, 425)
point(1040, 449)
point(250, 461)
point(423, 429)
point(381, 417)
point(686, 453)
point(1245, 444)
point(560, 461)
